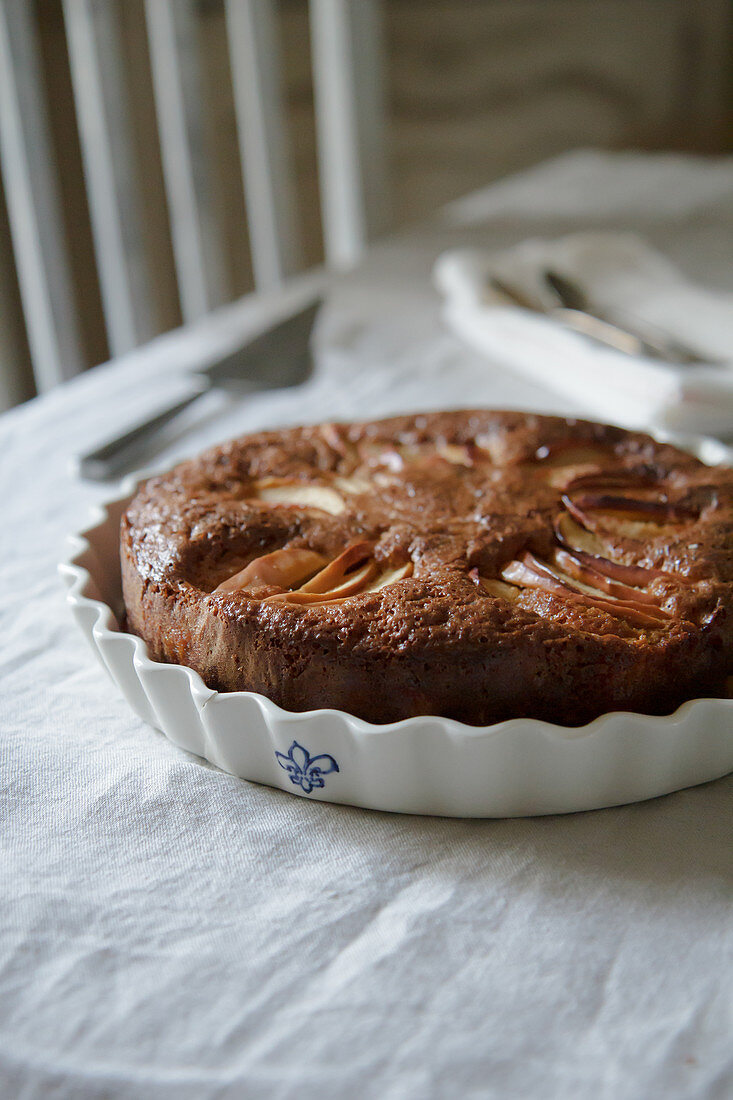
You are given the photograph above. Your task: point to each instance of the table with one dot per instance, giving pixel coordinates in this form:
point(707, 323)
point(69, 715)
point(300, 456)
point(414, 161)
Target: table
point(170, 931)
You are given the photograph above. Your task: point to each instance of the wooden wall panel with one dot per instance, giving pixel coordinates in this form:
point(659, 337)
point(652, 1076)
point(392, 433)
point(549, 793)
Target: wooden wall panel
point(483, 89)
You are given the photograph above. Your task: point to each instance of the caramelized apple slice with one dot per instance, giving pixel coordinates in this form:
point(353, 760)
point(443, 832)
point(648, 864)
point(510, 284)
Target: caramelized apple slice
point(651, 511)
point(344, 580)
point(580, 569)
point(572, 534)
point(390, 576)
point(375, 453)
point(634, 613)
point(528, 572)
point(349, 586)
point(282, 492)
point(335, 438)
point(531, 573)
point(494, 446)
point(588, 549)
point(630, 518)
point(281, 569)
point(494, 587)
point(459, 454)
point(352, 485)
point(335, 571)
point(572, 454)
point(613, 479)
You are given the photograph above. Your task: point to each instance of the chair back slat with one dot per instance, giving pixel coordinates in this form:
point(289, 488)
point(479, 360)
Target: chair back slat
point(265, 157)
point(177, 83)
point(111, 172)
point(29, 177)
point(164, 193)
point(346, 40)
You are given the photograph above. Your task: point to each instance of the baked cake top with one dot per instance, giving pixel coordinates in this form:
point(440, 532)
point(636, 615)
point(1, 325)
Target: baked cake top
point(448, 528)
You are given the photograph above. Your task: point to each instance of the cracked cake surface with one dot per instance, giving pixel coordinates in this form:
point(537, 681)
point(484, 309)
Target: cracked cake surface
point(479, 565)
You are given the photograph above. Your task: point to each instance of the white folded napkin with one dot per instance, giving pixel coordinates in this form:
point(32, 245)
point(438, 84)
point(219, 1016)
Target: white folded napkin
point(626, 278)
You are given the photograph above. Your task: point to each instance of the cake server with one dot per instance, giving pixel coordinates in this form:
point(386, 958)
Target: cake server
point(274, 359)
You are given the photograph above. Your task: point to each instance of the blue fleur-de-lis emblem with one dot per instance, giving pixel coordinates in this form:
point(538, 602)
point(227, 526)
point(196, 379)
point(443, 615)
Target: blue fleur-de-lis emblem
point(306, 771)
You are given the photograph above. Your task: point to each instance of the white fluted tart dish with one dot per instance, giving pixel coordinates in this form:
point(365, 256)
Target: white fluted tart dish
point(483, 604)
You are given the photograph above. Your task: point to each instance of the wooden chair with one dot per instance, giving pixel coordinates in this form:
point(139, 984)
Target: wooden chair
point(346, 65)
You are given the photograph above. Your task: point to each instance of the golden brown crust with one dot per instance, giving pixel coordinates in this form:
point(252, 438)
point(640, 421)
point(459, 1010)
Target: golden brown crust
point(503, 615)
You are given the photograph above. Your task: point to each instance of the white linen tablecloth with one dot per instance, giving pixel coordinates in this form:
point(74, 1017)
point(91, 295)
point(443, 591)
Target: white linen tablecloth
point(169, 931)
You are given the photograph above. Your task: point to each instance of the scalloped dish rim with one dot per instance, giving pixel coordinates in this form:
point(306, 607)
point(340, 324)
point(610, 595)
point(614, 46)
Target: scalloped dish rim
point(78, 578)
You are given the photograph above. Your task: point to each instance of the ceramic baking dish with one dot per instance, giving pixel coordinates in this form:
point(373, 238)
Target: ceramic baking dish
point(425, 765)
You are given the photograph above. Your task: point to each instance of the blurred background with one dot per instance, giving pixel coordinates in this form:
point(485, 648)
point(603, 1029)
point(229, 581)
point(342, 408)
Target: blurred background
point(459, 93)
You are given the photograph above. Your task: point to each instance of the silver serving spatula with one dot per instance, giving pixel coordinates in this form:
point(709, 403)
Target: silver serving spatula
point(276, 358)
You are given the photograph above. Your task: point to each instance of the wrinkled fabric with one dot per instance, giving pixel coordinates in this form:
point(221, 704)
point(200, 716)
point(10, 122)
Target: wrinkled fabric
point(169, 931)
point(630, 283)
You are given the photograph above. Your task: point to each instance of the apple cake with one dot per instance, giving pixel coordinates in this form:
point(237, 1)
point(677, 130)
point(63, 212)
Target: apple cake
point(479, 565)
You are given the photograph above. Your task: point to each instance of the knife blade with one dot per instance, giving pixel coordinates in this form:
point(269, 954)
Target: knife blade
point(600, 329)
point(583, 323)
point(276, 358)
point(653, 342)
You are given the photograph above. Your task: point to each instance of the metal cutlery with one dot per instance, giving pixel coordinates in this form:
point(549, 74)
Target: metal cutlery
point(583, 323)
point(653, 342)
point(276, 358)
point(573, 311)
